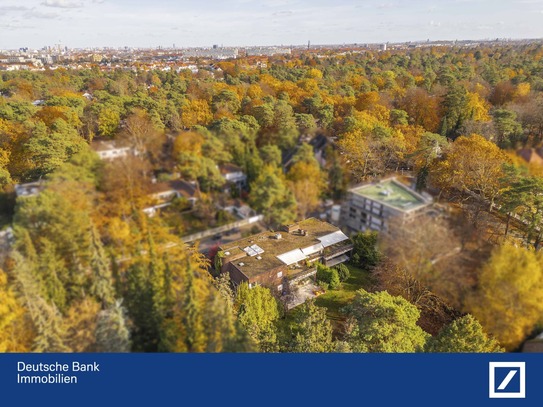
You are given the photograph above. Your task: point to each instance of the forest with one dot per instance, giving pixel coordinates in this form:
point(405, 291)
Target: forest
point(85, 270)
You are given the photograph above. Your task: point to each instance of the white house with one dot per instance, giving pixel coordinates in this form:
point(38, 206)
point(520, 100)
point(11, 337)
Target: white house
point(111, 150)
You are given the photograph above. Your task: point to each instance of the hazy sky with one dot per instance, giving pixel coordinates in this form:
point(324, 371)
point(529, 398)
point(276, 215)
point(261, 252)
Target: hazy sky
point(81, 23)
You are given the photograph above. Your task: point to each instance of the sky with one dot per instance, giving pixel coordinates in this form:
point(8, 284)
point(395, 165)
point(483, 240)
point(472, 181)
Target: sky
point(190, 23)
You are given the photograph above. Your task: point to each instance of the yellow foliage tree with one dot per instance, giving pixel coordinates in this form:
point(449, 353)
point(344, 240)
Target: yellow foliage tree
point(509, 298)
point(307, 182)
point(473, 166)
point(15, 332)
point(196, 112)
point(478, 107)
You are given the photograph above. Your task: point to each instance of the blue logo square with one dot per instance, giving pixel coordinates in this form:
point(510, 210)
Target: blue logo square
point(506, 381)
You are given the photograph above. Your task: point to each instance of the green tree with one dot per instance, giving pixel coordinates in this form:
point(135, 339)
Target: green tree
point(271, 197)
point(464, 334)
point(311, 330)
point(257, 312)
point(271, 155)
point(366, 254)
point(383, 323)
point(49, 149)
point(101, 282)
point(508, 129)
point(328, 275)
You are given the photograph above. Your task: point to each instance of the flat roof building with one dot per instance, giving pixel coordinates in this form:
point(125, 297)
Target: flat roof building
point(277, 259)
point(368, 207)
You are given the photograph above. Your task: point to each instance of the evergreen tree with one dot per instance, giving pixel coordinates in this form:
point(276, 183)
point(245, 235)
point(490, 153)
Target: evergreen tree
point(112, 333)
point(47, 321)
point(101, 282)
point(463, 335)
point(366, 254)
point(195, 338)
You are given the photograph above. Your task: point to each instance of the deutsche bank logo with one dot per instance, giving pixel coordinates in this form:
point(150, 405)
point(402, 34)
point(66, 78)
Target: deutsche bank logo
point(507, 380)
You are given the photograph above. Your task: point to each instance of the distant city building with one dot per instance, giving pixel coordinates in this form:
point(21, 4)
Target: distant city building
point(279, 260)
point(267, 51)
point(371, 206)
point(214, 53)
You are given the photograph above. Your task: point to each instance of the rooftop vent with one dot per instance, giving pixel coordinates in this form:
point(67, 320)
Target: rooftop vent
point(241, 264)
point(259, 257)
point(277, 236)
point(227, 253)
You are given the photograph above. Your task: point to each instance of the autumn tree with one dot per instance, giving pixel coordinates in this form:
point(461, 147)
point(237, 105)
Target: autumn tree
point(472, 166)
point(509, 297)
point(15, 332)
point(307, 183)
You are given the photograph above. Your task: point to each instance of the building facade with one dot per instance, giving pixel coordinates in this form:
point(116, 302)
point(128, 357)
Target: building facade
point(371, 206)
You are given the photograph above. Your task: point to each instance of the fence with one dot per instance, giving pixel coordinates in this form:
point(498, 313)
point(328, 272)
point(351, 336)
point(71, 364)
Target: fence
point(221, 229)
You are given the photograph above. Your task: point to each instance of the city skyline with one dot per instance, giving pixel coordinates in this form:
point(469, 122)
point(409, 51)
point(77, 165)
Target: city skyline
point(139, 23)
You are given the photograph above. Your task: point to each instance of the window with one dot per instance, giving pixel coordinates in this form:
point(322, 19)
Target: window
point(280, 274)
point(280, 288)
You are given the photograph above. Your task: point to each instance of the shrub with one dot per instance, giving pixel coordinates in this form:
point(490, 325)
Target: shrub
point(343, 272)
point(328, 275)
point(323, 285)
point(334, 279)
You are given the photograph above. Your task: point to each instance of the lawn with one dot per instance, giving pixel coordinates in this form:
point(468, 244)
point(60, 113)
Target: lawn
point(334, 300)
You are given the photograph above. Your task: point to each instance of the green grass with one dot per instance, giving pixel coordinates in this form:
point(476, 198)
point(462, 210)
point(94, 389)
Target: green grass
point(334, 300)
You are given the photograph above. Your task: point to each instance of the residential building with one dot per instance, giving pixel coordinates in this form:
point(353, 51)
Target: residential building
point(371, 206)
point(163, 193)
point(233, 175)
point(29, 189)
point(279, 260)
point(111, 149)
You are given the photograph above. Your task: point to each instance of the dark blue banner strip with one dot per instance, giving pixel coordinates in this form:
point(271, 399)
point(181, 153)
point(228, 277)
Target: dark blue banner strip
point(271, 380)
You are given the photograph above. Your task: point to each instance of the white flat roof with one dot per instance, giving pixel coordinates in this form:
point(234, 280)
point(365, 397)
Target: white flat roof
point(292, 257)
point(312, 249)
point(332, 238)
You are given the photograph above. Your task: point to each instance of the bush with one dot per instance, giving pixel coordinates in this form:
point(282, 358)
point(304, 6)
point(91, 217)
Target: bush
point(334, 279)
point(343, 272)
point(323, 285)
point(328, 275)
